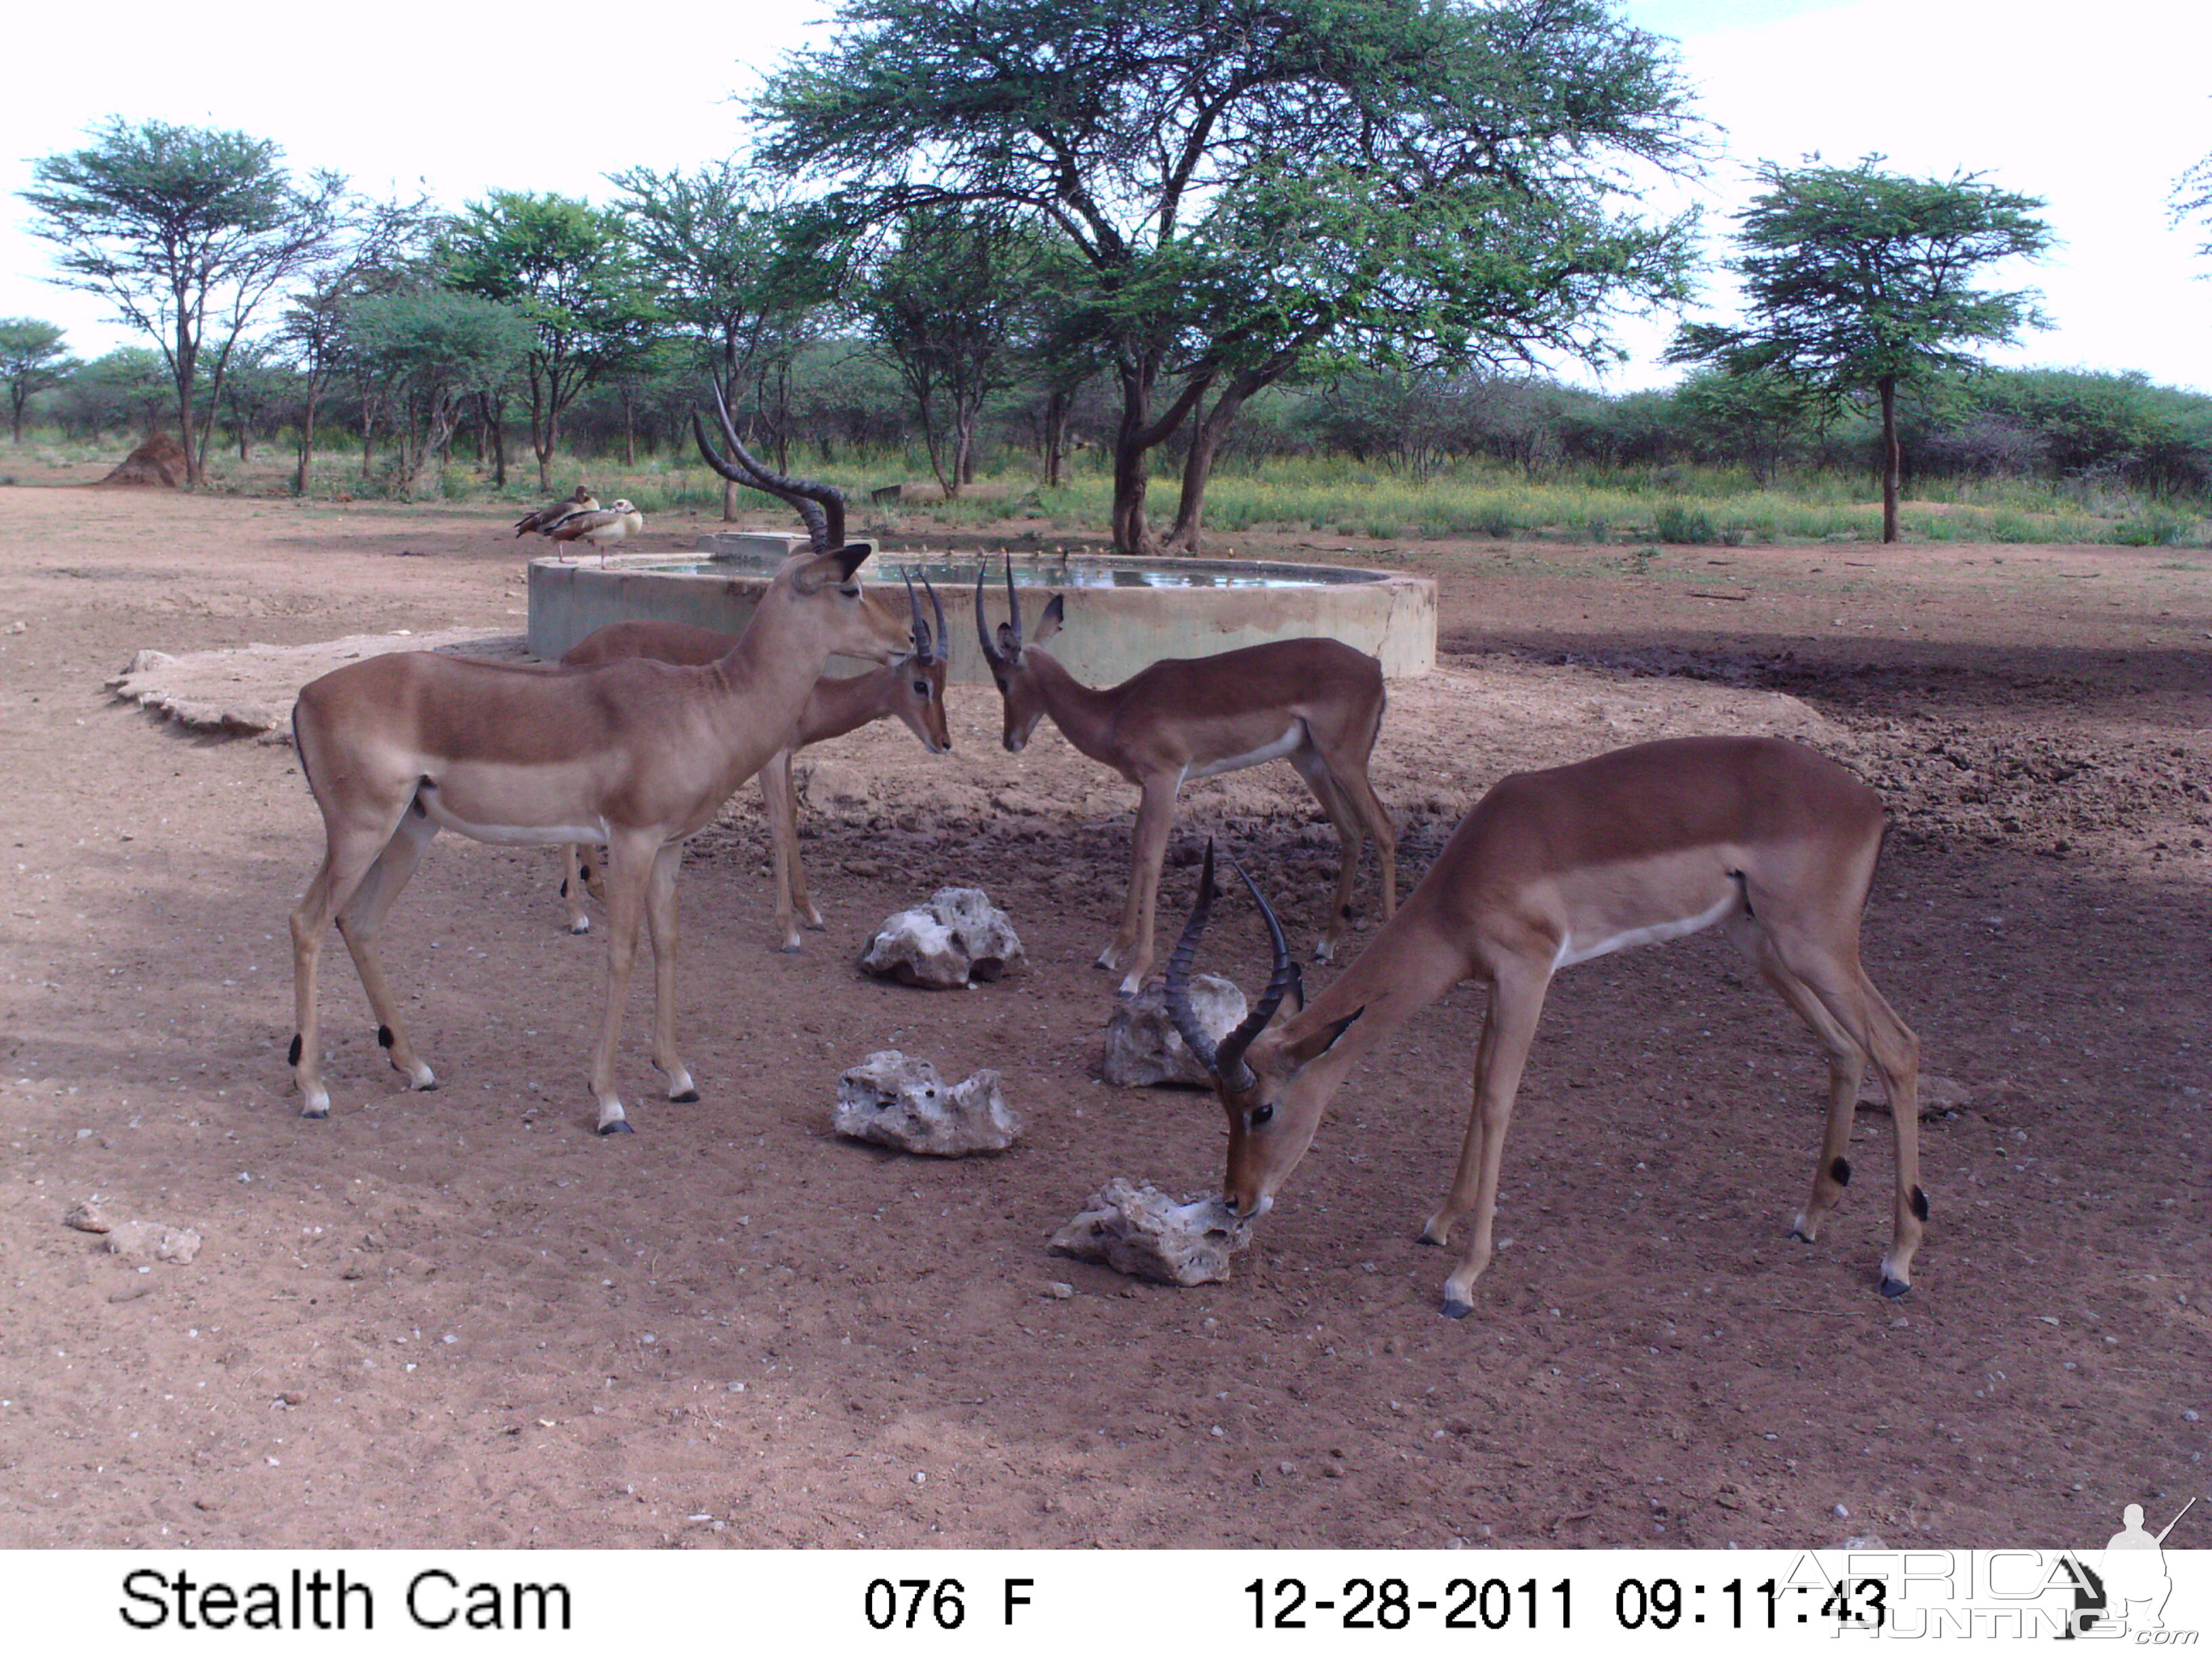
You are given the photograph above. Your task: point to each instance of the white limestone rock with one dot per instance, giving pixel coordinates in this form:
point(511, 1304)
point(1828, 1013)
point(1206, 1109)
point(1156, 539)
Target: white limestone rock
point(897, 1100)
point(1144, 1049)
point(1142, 1232)
point(957, 939)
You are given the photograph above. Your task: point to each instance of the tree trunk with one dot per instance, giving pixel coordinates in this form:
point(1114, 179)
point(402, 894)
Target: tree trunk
point(303, 479)
point(495, 423)
point(15, 397)
point(1056, 437)
point(629, 429)
point(1890, 458)
point(1130, 535)
point(1198, 467)
point(1135, 438)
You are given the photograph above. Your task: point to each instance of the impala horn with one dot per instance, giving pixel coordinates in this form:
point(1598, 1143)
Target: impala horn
point(927, 647)
point(819, 505)
point(1226, 1062)
point(1010, 633)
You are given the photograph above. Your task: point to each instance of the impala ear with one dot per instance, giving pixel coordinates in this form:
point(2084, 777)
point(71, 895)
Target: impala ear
point(1048, 623)
point(1312, 1047)
point(837, 566)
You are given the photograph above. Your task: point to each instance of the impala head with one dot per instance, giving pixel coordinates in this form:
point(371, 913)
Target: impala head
point(1272, 1103)
point(1025, 702)
point(827, 576)
point(920, 700)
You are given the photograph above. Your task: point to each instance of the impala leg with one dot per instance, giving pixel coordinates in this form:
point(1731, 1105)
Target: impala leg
point(661, 918)
point(1517, 1000)
point(361, 919)
point(628, 872)
point(1832, 1171)
point(780, 805)
point(1369, 805)
point(1349, 831)
point(346, 859)
point(573, 883)
point(1132, 947)
point(1856, 1013)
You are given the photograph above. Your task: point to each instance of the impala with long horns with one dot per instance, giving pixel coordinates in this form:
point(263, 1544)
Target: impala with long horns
point(633, 756)
point(1315, 702)
point(912, 691)
point(1764, 837)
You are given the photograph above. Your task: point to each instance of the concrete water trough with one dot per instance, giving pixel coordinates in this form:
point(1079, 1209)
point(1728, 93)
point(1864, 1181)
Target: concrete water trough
point(1121, 614)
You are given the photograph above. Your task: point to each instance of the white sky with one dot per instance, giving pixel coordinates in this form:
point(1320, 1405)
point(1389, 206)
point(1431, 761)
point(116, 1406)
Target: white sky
point(2096, 107)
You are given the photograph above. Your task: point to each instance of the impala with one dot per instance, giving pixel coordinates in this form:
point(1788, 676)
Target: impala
point(633, 756)
point(913, 691)
point(1315, 702)
point(1764, 837)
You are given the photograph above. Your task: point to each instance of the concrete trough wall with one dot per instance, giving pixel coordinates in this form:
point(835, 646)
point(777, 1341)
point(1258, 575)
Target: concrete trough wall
point(1110, 631)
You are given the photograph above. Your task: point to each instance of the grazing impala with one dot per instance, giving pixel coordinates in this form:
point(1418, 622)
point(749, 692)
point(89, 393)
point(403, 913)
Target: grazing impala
point(1315, 702)
point(1765, 837)
point(913, 691)
point(635, 755)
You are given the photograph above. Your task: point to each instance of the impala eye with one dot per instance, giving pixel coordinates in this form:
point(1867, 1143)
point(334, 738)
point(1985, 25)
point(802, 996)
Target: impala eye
point(1261, 1115)
point(921, 688)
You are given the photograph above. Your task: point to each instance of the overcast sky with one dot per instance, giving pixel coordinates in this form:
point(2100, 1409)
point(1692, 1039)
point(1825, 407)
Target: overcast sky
point(2096, 108)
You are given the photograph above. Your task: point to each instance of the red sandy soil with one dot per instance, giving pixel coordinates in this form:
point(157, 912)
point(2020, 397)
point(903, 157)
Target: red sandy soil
point(461, 1318)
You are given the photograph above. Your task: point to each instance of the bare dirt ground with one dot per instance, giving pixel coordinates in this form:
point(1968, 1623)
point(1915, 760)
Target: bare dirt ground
point(461, 1318)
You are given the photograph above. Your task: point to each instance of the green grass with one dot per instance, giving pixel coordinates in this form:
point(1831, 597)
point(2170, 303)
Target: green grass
point(1329, 496)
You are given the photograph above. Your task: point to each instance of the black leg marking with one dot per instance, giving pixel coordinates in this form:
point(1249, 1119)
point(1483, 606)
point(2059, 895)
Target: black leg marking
point(1920, 1203)
point(1348, 916)
point(292, 1058)
point(383, 1037)
point(564, 887)
point(1840, 1172)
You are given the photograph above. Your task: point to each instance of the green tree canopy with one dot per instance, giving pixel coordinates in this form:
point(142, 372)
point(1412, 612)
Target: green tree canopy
point(570, 268)
point(725, 260)
point(32, 359)
point(433, 351)
point(186, 232)
point(949, 304)
point(1245, 184)
point(1858, 281)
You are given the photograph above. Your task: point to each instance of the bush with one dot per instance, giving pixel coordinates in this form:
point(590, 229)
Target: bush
point(1685, 526)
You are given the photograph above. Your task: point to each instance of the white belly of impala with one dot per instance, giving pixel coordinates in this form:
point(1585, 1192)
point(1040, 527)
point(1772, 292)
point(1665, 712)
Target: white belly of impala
point(1283, 745)
point(461, 809)
point(1572, 951)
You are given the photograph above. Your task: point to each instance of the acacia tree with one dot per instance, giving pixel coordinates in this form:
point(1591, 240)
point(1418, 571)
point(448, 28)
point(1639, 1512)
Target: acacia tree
point(377, 253)
point(2192, 199)
point(1857, 282)
point(570, 269)
point(32, 361)
point(1245, 184)
point(948, 303)
point(186, 232)
point(720, 249)
point(432, 351)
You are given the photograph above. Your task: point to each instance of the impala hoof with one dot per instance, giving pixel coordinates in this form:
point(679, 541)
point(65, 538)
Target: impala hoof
point(791, 949)
point(688, 1097)
point(581, 924)
point(315, 1114)
point(1429, 1239)
point(619, 1126)
point(1893, 1288)
point(1454, 1309)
